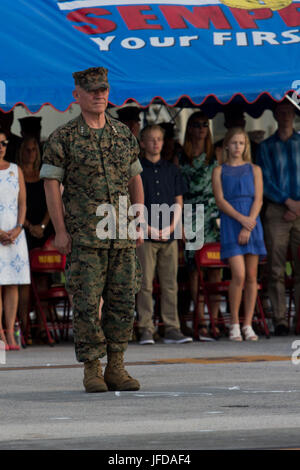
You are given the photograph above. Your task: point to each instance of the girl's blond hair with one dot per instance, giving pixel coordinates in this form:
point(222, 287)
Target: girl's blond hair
point(230, 133)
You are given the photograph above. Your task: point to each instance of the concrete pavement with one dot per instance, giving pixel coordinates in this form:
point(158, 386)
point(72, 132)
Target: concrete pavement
point(219, 395)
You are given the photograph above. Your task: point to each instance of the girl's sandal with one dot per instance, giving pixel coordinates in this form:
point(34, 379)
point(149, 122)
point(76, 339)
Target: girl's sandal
point(249, 334)
point(235, 332)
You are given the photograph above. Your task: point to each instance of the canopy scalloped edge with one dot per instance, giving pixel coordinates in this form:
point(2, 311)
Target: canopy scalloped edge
point(159, 98)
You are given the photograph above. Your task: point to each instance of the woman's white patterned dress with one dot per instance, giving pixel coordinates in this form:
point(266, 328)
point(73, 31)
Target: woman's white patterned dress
point(14, 262)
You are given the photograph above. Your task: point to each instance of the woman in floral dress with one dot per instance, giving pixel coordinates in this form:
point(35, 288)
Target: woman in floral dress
point(197, 163)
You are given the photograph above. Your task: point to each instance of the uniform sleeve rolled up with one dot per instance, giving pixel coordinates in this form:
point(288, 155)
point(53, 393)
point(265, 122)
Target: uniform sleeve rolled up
point(54, 158)
point(135, 165)
point(52, 172)
point(136, 168)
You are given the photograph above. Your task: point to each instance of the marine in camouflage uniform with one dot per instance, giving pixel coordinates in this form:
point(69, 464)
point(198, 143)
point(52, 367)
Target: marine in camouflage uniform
point(95, 167)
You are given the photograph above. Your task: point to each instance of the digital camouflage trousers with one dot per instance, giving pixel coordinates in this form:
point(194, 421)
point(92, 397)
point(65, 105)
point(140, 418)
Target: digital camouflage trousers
point(114, 275)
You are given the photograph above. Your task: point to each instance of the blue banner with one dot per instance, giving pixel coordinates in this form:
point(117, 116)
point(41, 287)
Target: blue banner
point(161, 48)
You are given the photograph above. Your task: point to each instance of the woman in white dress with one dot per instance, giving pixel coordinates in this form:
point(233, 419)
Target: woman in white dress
point(14, 262)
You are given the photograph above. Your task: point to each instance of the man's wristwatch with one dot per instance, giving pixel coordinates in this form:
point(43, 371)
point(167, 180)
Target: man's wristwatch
point(19, 225)
point(43, 226)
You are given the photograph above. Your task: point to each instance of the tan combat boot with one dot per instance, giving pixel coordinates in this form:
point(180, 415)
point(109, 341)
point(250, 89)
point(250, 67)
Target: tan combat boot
point(115, 375)
point(93, 380)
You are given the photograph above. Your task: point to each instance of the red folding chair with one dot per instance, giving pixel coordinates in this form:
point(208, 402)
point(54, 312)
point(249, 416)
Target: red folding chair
point(209, 257)
point(47, 260)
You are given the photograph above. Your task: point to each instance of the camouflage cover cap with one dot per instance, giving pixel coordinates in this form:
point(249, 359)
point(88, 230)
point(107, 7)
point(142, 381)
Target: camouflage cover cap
point(92, 78)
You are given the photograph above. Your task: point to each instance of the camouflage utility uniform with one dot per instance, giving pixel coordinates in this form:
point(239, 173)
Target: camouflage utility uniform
point(95, 167)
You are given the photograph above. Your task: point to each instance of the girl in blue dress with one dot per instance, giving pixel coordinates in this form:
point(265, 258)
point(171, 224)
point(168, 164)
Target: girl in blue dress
point(238, 190)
